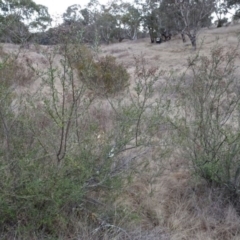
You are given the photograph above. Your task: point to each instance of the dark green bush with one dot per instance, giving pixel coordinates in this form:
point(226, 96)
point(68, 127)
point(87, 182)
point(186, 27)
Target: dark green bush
point(38, 196)
point(103, 76)
point(110, 76)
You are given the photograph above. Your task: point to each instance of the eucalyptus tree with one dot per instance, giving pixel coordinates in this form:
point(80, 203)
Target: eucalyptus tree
point(80, 20)
point(117, 10)
point(106, 23)
point(34, 15)
point(151, 17)
point(72, 14)
point(131, 20)
point(171, 17)
point(184, 16)
point(18, 18)
point(194, 14)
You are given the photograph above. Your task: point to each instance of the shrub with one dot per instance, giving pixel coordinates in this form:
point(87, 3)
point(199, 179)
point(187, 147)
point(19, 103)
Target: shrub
point(57, 177)
point(13, 72)
point(110, 76)
point(209, 119)
point(53, 171)
point(105, 76)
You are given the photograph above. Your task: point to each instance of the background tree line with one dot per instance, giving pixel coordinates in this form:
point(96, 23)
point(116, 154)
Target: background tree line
point(25, 21)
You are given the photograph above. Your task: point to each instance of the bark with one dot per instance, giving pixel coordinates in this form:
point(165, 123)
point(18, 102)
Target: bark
point(135, 34)
point(120, 39)
point(183, 37)
point(151, 35)
point(192, 38)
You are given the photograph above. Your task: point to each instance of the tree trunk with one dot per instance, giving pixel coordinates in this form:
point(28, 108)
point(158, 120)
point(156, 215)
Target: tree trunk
point(220, 23)
point(134, 34)
point(183, 37)
point(193, 41)
point(120, 39)
point(151, 35)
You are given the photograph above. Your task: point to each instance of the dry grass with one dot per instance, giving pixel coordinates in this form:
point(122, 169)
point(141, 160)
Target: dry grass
point(173, 55)
point(183, 210)
point(14, 71)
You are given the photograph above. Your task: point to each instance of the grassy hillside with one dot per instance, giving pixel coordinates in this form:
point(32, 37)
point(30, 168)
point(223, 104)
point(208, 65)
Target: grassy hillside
point(89, 151)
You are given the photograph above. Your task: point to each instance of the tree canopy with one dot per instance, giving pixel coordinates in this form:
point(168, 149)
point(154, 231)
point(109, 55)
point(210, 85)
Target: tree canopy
point(18, 18)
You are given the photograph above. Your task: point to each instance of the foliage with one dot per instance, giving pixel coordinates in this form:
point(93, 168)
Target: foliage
point(236, 16)
point(19, 18)
point(14, 31)
point(233, 3)
point(105, 76)
point(72, 14)
point(110, 76)
point(209, 122)
point(106, 26)
point(61, 171)
point(131, 20)
point(35, 15)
